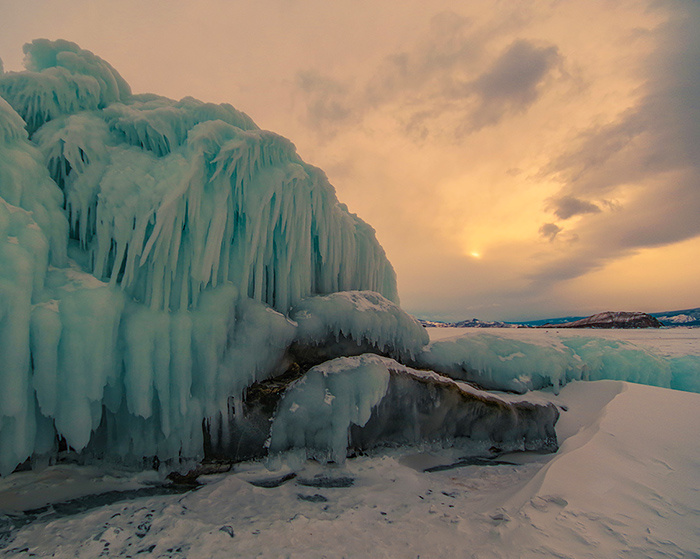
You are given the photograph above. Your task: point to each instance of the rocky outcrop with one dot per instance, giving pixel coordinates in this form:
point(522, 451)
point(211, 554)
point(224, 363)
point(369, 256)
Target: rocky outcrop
point(611, 320)
point(416, 407)
point(423, 406)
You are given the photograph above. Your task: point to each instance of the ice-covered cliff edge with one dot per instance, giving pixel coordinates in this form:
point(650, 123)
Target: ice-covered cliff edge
point(143, 245)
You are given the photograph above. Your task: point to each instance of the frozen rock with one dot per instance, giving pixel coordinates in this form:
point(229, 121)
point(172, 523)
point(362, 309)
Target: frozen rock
point(352, 323)
point(422, 406)
point(367, 401)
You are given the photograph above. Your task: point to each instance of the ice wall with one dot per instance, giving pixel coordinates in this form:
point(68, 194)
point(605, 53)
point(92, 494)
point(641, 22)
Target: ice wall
point(142, 243)
point(25, 183)
point(503, 363)
point(500, 363)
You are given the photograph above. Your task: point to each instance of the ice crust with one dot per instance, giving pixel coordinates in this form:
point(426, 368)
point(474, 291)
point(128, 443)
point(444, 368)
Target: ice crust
point(144, 244)
point(366, 319)
point(503, 363)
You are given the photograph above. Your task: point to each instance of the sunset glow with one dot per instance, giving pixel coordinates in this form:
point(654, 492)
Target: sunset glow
point(560, 137)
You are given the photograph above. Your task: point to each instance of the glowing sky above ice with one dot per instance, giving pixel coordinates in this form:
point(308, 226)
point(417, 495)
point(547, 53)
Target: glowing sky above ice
point(517, 159)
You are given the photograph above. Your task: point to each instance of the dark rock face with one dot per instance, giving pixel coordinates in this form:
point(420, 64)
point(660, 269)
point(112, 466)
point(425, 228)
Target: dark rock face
point(247, 427)
point(425, 407)
point(612, 320)
point(418, 407)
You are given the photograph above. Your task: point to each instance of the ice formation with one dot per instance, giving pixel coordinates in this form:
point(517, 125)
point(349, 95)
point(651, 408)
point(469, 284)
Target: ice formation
point(151, 253)
point(61, 78)
point(368, 401)
point(143, 245)
point(503, 363)
point(355, 322)
point(315, 414)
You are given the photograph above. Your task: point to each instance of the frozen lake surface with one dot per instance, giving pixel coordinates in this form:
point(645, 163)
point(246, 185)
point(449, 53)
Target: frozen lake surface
point(669, 342)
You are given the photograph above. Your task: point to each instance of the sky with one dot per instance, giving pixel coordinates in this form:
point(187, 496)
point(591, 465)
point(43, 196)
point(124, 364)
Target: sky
point(518, 160)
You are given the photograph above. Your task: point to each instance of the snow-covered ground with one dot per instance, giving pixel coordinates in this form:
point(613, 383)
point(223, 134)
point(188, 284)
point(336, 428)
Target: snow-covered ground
point(625, 483)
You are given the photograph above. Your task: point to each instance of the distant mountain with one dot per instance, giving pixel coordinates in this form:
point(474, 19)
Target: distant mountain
point(433, 323)
point(687, 317)
point(471, 323)
point(549, 321)
point(476, 323)
point(618, 319)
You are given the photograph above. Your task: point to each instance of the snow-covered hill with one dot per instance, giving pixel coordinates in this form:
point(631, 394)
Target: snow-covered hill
point(618, 319)
point(471, 323)
point(687, 317)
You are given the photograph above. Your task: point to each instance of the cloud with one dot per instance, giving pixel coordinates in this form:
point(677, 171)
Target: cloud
point(550, 231)
point(513, 82)
point(644, 168)
point(437, 63)
point(565, 207)
point(452, 82)
point(327, 100)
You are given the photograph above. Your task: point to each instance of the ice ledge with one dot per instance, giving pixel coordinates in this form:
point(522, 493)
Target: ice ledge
point(359, 403)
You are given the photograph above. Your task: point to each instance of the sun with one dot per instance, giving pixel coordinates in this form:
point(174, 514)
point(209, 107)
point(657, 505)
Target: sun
point(475, 254)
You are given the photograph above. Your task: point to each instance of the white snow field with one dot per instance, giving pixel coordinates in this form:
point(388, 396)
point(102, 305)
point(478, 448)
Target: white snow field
point(625, 483)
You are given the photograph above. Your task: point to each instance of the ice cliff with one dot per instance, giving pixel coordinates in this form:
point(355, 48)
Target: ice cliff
point(144, 244)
